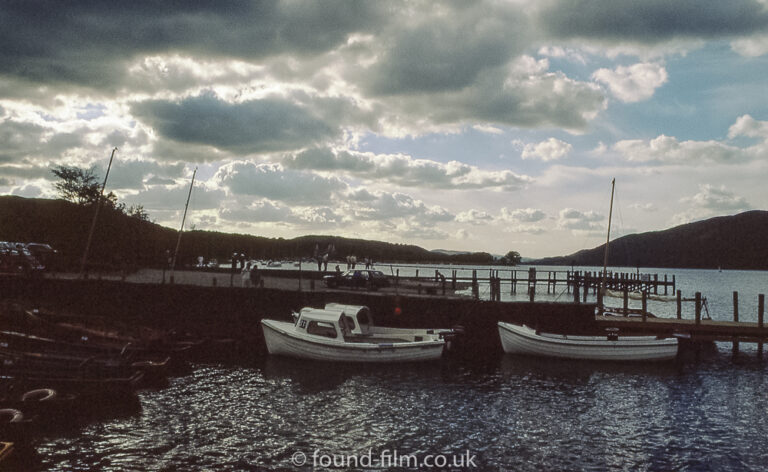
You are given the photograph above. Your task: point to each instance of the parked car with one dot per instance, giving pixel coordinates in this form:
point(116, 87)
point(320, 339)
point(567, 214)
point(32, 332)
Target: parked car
point(44, 253)
point(357, 278)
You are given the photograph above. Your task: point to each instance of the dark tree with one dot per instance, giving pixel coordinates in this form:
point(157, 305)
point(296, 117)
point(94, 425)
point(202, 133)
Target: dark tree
point(76, 185)
point(138, 212)
point(81, 186)
point(511, 258)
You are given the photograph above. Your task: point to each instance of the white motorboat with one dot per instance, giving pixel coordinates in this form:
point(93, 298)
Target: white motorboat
point(346, 333)
point(520, 339)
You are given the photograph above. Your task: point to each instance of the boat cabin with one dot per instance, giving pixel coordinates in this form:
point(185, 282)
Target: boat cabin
point(335, 321)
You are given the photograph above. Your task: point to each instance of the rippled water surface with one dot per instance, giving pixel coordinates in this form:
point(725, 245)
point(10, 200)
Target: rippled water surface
point(508, 414)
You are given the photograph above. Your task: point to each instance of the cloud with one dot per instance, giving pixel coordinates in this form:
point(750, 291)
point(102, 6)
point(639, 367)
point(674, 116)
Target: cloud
point(94, 41)
point(274, 182)
point(522, 215)
point(651, 21)
point(404, 170)
point(579, 221)
point(29, 191)
point(708, 202)
point(754, 46)
point(649, 207)
point(432, 53)
point(475, 217)
point(523, 220)
point(525, 228)
point(173, 198)
point(265, 125)
point(717, 199)
point(509, 95)
point(131, 174)
point(634, 83)
point(549, 150)
point(364, 205)
point(261, 211)
point(487, 129)
point(668, 150)
point(747, 126)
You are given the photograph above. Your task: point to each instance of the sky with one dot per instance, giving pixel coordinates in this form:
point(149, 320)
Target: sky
point(469, 126)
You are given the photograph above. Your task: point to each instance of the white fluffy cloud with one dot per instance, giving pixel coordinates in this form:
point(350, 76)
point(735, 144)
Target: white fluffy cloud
point(633, 83)
point(747, 126)
point(475, 217)
point(710, 201)
point(550, 150)
point(668, 150)
point(273, 182)
point(523, 215)
point(751, 47)
point(576, 220)
point(405, 170)
point(717, 199)
point(364, 205)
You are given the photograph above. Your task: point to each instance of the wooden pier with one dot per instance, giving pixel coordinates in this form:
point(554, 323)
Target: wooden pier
point(577, 282)
point(697, 329)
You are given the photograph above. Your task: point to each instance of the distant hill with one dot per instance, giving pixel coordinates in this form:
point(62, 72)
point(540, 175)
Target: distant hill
point(731, 242)
point(122, 240)
point(448, 252)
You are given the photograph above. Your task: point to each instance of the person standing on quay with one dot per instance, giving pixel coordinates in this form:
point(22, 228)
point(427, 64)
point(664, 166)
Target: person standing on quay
point(255, 277)
point(246, 274)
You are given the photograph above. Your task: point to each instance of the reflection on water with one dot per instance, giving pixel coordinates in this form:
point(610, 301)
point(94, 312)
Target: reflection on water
point(513, 413)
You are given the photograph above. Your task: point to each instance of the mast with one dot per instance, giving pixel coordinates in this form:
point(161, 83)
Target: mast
point(608, 237)
point(95, 217)
point(183, 218)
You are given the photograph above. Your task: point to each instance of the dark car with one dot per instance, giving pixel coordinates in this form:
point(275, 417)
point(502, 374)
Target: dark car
point(372, 279)
point(44, 254)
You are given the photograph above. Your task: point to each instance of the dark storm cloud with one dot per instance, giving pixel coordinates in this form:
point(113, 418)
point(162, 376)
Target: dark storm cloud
point(447, 48)
point(87, 42)
point(652, 21)
point(266, 125)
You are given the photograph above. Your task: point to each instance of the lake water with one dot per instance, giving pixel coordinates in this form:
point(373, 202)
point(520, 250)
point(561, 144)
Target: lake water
point(506, 413)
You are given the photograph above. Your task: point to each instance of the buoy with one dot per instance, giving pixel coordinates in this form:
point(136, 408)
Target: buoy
point(398, 311)
point(39, 395)
point(9, 415)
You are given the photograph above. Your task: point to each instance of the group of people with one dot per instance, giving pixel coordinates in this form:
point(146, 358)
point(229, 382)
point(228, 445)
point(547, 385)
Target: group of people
point(250, 275)
point(249, 271)
point(352, 262)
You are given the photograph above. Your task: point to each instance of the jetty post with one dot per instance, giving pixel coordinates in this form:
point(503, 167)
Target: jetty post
point(625, 293)
point(760, 310)
point(679, 304)
point(576, 297)
point(735, 320)
point(698, 308)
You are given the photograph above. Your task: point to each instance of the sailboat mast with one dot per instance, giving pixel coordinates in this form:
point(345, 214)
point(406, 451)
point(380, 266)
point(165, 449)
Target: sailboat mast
point(608, 237)
point(183, 218)
point(84, 260)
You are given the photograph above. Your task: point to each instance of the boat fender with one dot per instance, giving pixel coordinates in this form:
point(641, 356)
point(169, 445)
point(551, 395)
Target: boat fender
point(39, 395)
point(9, 415)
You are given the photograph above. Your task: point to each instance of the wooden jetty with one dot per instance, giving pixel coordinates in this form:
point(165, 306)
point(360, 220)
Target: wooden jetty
point(697, 329)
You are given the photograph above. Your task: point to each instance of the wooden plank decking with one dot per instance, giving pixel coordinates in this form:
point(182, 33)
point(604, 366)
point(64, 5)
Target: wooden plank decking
point(709, 330)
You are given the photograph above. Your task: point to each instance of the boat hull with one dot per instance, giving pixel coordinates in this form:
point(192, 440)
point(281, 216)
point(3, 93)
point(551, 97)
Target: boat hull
point(517, 339)
point(280, 340)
